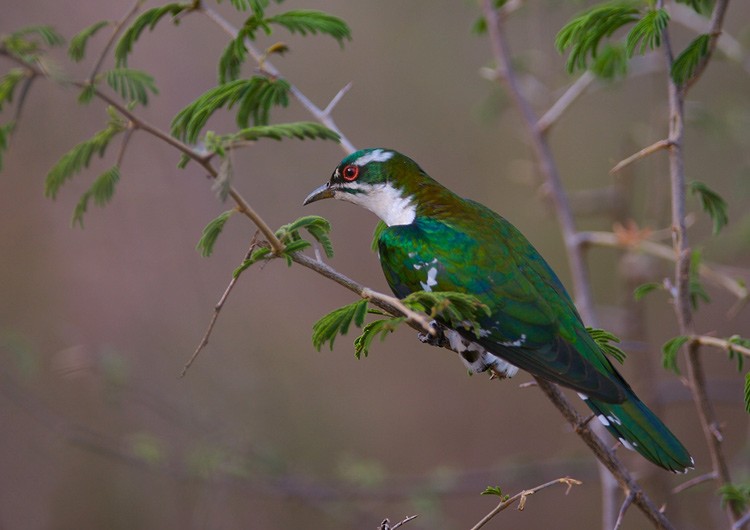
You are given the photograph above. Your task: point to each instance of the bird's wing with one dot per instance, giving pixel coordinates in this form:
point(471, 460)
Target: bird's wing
point(532, 324)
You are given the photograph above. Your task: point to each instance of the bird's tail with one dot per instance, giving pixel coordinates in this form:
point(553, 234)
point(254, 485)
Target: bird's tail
point(639, 429)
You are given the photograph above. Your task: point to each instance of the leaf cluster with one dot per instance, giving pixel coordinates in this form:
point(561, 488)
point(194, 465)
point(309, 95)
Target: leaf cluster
point(101, 191)
point(77, 46)
point(5, 132)
point(132, 85)
point(148, 19)
point(254, 98)
point(686, 63)
point(604, 340)
point(337, 322)
point(737, 495)
point(670, 349)
point(211, 233)
point(495, 490)
point(29, 43)
point(8, 84)
point(456, 310)
point(300, 130)
point(695, 286)
point(713, 204)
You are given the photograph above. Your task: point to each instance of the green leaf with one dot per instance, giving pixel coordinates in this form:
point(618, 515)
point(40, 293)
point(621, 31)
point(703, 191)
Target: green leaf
point(739, 341)
point(148, 19)
point(376, 235)
point(132, 85)
point(583, 34)
point(304, 21)
point(670, 350)
point(747, 392)
point(292, 247)
point(79, 158)
point(644, 289)
point(47, 34)
point(8, 84)
point(695, 287)
point(258, 254)
point(495, 490)
point(232, 58)
point(317, 226)
point(713, 204)
point(738, 495)
point(255, 97)
point(687, 62)
point(211, 233)
point(646, 34)
point(610, 63)
point(455, 309)
point(5, 132)
point(337, 323)
point(702, 7)
point(102, 191)
point(377, 328)
point(257, 6)
point(300, 130)
point(77, 46)
point(604, 340)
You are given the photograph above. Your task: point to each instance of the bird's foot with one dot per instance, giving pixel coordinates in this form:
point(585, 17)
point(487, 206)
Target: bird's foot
point(438, 339)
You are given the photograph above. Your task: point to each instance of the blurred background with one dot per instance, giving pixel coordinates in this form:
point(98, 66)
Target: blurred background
point(265, 432)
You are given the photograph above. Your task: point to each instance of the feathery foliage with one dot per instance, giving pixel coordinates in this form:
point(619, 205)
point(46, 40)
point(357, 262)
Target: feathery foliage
point(300, 130)
point(670, 349)
point(646, 34)
point(643, 289)
point(8, 84)
point(5, 132)
point(47, 34)
point(695, 286)
point(132, 85)
point(604, 340)
point(29, 43)
point(583, 34)
point(702, 7)
point(713, 204)
point(734, 354)
point(148, 19)
point(611, 62)
point(377, 328)
point(101, 191)
point(77, 46)
point(337, 323)
point(685, 65)
point(254, 96)
point(211, 233)
point(735, 494)
point(80, 156)
point(304, 21)
point(454, 308)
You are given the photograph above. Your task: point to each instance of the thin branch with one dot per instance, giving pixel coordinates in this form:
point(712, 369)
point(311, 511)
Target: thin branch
point(411, 315)
point(656, 146)
point(522, 496)
point(321, 115)
point(217, 309)
point(708, 271)
point(386, 524)
point(700, 479)
point(621, 514)
point(112, 38)
point(573, 92)
point(124, 145)
point(335, 101)
point(715, 29)
point(724, 344)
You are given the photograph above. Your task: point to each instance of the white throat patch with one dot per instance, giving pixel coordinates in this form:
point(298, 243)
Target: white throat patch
point(383, 200)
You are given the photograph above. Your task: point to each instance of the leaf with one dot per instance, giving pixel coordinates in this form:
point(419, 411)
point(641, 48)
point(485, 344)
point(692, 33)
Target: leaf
point(583, 34)
point(739, 341)
point(257, 255)
point(376, 235)
point(292, 247)
point(610, 63)
point(77, 46)
point(643, 289)
point(737, 495)
point(377, 328)
point(5, 132)
point(494, 490)
point(132, 85)
point(713, 204)
point(702, 7)
point(670, 350)
point(646, 34)
point(695, 287)
point(604, 340)
point(211, 233)
point(47, 34)
point(79, 158)
point(337, 323)
point(304, 21)
point(102, 191)
point(148, 19)
point(232, 58)
point(300, 130)
point(255, 96)
point(455, 309)
point(8, 84)
point(685, 65)
point(318, 227)
point(747, 392)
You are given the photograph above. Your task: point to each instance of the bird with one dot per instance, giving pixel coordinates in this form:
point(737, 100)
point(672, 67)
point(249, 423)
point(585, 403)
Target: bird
point(434, 240)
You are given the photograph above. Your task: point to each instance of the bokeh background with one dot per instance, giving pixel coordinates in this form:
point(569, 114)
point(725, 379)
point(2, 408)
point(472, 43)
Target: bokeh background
point(265, 432)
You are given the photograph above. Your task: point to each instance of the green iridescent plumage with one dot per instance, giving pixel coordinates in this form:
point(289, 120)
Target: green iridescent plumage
point(438, 241)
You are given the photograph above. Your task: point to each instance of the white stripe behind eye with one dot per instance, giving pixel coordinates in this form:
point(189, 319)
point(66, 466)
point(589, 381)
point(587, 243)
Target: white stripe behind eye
point(378, 155)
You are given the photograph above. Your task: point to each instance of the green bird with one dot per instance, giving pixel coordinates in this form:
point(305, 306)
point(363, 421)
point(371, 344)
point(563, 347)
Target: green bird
point(438, 241)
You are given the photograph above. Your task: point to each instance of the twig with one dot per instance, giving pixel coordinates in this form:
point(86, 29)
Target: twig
point(110, 42)
point(217, 309)
point(322, 116)
point(573, 92)
point(410, 314)
point(724, 344)
point(335, 101)
point(741, 521)
point(700, 479)
point(386, 524)
point(522, 496)
point(621, 514)
point(656, 146)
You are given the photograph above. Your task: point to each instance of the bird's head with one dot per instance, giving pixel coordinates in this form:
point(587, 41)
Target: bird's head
point(380, 180)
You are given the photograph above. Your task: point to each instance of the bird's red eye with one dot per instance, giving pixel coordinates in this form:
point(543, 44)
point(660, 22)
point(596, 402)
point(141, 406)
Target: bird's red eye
point(350, 173)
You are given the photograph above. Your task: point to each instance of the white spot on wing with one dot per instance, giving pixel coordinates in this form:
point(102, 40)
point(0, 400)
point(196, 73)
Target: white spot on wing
point(604, 421)
point(626, 444)
point(431, 281)
point(583, 396)
point(376, 155)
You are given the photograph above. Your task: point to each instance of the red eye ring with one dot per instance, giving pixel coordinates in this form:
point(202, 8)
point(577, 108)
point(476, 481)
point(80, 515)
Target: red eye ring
point(350, 173)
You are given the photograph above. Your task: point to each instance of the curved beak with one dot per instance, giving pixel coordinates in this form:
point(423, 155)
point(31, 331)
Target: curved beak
point(323, 192)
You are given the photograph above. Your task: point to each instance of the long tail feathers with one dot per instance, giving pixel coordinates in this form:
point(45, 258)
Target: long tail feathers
point(639, 429)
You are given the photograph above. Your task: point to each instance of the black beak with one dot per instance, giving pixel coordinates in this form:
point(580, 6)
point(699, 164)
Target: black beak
point(323, 192)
